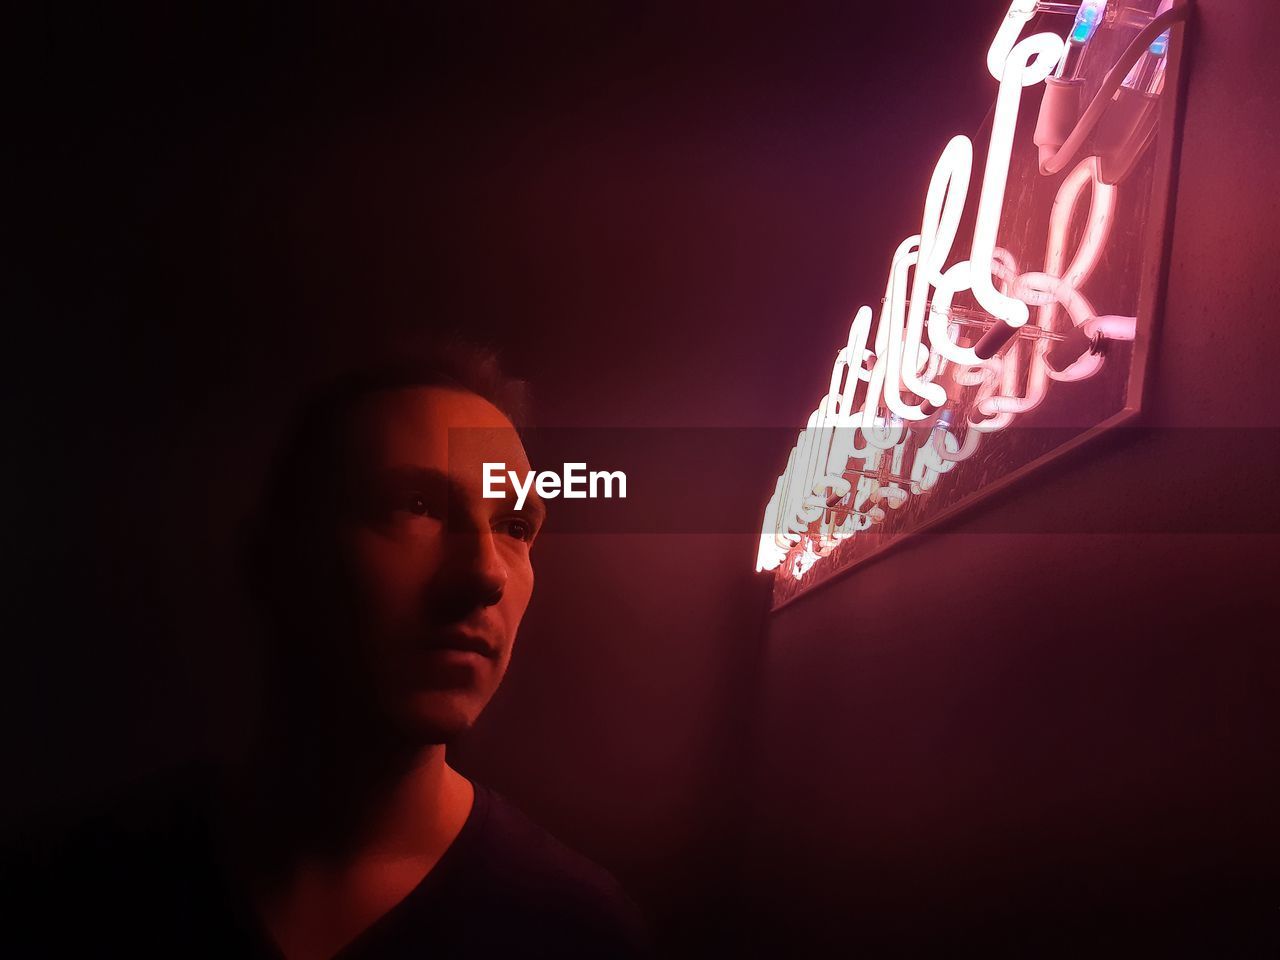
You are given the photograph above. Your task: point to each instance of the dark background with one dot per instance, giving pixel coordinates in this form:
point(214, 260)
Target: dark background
point(665, 214)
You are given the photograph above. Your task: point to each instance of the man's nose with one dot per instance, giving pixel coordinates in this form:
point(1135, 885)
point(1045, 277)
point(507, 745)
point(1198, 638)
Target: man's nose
point(477, 564)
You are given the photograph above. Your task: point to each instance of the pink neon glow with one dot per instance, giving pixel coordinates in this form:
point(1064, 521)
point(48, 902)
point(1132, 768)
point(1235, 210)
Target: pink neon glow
point(869, 419)
point(1055, 287)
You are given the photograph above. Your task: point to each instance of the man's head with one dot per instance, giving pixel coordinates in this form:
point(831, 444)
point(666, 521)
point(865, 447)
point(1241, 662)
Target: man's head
point(393, 589)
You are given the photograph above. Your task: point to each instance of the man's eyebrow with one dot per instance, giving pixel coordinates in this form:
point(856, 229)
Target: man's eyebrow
point(430, 476)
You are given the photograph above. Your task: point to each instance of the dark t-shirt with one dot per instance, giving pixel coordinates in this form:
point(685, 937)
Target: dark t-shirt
point(505, 887)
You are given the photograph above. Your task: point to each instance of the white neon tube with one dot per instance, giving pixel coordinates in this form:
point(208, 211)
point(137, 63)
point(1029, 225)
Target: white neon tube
point(1112, 327)
point(1056, 286)
point(826, 426)
point(1084, 368)
point(1004, 267)
point(892, 331)
point(1020, 12)
point(943, 207)
point(794, 486)
point(858, 355)
point(942, 448)
point(806, 460)
point(1005, 371)
point(1029, 62)
point(1102, 207)
point(978, 373)
point(804, 561)
point(899, 453)
point(785, 536)
point(927, 466)
point(885, 336)
point(769, 555)
point(941, 339)
point(885, 436)
point(894, 495)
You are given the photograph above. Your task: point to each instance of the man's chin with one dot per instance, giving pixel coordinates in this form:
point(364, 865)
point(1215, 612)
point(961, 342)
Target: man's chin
point(439, 716)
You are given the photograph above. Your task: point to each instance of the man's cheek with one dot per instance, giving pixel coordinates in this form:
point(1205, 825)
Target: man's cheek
point(388, 586)
point(384, 560)
point(520, 592)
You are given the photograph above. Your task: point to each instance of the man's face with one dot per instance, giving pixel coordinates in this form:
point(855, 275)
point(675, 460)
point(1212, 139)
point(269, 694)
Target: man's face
point(439, 577)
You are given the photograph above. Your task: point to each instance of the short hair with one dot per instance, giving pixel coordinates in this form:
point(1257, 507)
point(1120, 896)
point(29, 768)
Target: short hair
point(310, 446)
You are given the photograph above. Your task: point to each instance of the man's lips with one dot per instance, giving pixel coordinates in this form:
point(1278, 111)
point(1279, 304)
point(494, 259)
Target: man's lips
point(463, 641)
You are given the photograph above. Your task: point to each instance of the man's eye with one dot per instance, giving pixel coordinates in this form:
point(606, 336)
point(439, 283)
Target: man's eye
point(417, 505)
point(515, 527)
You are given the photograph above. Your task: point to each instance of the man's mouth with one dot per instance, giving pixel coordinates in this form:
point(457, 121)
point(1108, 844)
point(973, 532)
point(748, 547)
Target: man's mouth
point(463, 641)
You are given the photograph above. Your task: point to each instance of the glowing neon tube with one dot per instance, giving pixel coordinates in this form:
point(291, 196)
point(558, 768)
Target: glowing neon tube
point(892, 321)
point(943, 207)
point(769, 554)
point(885, 353)
point(942, 448)
point(1031, 61)
point(1056, 286)
point(1020, 12)
point(865, 418)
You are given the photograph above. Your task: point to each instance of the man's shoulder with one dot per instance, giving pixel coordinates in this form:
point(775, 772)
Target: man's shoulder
point(523, 849)
point(524, 870)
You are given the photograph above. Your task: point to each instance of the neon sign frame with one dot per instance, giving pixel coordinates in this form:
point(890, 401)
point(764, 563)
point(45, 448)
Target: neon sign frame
point(909, 401)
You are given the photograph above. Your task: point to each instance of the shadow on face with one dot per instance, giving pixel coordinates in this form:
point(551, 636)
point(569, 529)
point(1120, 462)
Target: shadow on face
point(399, 595)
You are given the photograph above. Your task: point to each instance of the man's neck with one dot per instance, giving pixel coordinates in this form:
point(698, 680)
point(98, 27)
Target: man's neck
point(343, 796)
point(328, 838)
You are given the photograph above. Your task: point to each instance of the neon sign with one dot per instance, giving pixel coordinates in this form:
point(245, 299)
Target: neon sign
point(919, 388)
